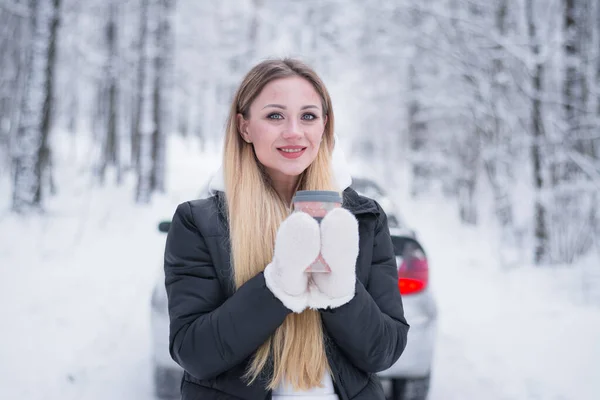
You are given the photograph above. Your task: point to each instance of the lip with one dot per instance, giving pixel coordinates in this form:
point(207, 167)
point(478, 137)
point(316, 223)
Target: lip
point(293, 155)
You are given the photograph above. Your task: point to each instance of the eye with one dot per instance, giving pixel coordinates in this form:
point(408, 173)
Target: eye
point(275, 116)
point(309, 117)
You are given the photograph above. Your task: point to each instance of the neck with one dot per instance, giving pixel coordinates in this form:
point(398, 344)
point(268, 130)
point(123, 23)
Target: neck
point(285, 187)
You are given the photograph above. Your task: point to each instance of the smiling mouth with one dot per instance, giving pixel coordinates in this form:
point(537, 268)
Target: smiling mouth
point(291, 153)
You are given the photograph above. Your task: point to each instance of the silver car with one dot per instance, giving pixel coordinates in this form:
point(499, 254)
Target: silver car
point(407, 379)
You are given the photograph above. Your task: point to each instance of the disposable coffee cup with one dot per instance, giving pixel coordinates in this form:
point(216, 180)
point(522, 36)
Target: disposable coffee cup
point(317, 203)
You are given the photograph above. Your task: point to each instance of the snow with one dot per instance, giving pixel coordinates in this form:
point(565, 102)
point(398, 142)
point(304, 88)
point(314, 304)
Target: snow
point(76, 285)
point(523, 333)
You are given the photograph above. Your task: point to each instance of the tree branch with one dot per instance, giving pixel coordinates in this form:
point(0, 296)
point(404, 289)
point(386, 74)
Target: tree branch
point(18, 10)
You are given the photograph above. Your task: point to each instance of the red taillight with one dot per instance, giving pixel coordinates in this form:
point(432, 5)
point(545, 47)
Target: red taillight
point(408, 286)
point(413, 273)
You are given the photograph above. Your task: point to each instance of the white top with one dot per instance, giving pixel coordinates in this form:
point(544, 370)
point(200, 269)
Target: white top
point(286, 391)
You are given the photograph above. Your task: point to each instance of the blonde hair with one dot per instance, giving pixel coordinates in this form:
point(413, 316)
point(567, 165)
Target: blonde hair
point(296, 350)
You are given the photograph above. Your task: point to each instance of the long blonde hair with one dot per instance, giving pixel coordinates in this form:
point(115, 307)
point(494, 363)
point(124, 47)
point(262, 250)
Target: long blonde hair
point(296, 350)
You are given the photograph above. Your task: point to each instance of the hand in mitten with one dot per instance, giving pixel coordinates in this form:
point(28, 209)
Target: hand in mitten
point(339, 248)
point(297, 245)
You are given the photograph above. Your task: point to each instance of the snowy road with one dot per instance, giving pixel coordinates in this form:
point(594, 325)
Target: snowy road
point(74, 306)
point(75, 292)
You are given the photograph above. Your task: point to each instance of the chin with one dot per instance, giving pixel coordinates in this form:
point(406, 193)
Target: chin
point(290, 169)
point(293, 172)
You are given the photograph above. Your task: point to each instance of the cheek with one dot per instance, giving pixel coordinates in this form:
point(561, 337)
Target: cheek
point(263, 136)
point(259, 132)
point(315, 136)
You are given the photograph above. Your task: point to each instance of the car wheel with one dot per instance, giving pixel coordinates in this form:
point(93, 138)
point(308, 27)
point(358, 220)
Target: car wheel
point(167, 383)
point(410, 389)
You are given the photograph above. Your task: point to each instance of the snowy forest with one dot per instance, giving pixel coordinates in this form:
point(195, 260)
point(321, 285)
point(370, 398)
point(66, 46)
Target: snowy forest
point(455, 96)
point(479, 118)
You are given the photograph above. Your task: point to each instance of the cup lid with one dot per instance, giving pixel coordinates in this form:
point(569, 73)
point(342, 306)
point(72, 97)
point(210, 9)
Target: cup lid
point(327, 196)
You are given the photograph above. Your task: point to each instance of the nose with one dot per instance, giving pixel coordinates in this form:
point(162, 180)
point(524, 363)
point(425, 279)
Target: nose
point(291, 130)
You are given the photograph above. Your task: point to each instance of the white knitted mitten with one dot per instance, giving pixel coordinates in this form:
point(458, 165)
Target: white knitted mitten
point(339, 248)
point(297, 245)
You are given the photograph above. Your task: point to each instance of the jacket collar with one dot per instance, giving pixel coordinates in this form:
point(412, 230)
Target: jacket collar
point(358, 204)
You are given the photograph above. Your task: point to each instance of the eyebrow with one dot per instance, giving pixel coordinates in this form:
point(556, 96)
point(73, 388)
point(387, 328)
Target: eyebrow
point(285, 108)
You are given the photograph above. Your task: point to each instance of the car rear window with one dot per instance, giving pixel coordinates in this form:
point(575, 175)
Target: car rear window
point(403, 244)
point(398, 242)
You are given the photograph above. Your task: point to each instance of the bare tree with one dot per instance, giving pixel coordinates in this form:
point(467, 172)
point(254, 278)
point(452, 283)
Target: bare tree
point(143, 40)
point(110, 97)
point(417, 125)
point(32, 158)
point(13, 38)
point(163, 91)
point(146, 122)
point(155, 108)
point(497, 165)
point(537, 128)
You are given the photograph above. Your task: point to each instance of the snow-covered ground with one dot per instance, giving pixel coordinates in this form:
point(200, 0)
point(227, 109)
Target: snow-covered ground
point(526, 333)
point(75, 289)
point(75, 284)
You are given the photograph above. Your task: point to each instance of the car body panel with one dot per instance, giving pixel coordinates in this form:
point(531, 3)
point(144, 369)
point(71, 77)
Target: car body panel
point(416, 361)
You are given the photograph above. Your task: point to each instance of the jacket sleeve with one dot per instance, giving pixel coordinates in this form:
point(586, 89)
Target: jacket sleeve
point(371, 329)
point(210, 333)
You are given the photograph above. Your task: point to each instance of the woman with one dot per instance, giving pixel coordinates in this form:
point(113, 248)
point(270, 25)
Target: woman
point(246, 321)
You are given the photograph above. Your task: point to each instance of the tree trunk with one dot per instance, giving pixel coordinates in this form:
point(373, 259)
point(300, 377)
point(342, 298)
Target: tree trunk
point(111, 155)
point(540, 228)
point(469, 155)
point(572, 78)
point(254, 29)
point(8, 48)
point(141, 82)
point(157, 112)
point(596, 145)
point(147, 121)
point(12, 41)
point(31, 142)
point(497, 168)
point(593, 78)
point(417, 131)
point(163, 65)
point(45, 160)
point(416, 128)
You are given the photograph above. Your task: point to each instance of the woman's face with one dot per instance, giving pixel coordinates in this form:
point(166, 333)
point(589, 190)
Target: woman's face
point(285, 127)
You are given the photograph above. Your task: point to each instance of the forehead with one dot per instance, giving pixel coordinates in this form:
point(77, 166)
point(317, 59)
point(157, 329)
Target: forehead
point(289, 91)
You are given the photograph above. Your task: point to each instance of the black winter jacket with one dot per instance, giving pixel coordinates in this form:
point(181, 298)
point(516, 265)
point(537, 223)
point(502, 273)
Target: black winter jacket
point(215, 329)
